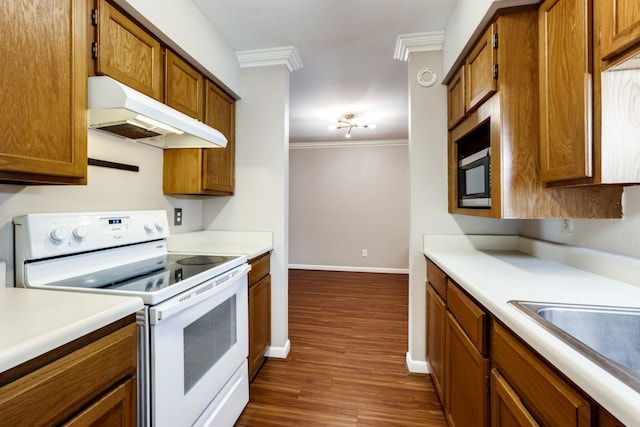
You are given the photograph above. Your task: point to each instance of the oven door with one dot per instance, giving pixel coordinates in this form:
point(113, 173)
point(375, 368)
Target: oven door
point(199, 339)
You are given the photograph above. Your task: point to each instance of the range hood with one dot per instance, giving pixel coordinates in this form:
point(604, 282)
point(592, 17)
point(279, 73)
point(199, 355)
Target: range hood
point(117, 109)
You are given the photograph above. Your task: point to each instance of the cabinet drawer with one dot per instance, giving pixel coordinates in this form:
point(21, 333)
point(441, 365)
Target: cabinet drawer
point(551, 400)
point(260, 267)
point(61, 388)
point(437, 278)
point(470, 316)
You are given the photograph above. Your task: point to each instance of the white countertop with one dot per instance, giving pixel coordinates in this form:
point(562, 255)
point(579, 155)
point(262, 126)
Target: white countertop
point(497, 269)
point(214, 242)
point(34, 321)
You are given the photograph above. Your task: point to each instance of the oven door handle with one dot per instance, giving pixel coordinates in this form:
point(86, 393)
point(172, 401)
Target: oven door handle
point(196, 295)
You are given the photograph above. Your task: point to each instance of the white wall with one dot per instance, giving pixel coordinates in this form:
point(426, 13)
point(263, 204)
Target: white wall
point(428, 169)
point(618, 236)
point(347, 197)
point(107, 190)
point(261, 198)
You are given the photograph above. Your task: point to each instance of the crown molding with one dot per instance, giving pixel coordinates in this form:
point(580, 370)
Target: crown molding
point(417, 42)
point(287, 55)
point(348, 144)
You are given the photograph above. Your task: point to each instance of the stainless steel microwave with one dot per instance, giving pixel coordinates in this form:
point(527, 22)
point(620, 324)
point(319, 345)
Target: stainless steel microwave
point(474, 180)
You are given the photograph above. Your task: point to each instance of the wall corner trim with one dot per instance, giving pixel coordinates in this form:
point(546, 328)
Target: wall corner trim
point(279, 352)
point(417, 42)
point(416, 366)
point(287, 55)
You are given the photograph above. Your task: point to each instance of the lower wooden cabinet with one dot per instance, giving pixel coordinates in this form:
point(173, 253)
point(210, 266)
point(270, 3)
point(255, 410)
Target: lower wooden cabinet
point(548, 398)
point(259, 311)
point(466, 379)
point(436, 320)
point(506, 407)
point(91, 383)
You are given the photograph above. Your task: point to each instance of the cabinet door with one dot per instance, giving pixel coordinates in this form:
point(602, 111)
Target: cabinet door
point(480, 70)
point(436, 318)
point(259, 322)
point(44, 92)
point(565, 89)
point(455, 99)
point(219, 163)
point(506, 407)
point(466, 379)
point(115, 408)
point(127, 53)
point(184, 86)
point(620, 22)
point(554, 402)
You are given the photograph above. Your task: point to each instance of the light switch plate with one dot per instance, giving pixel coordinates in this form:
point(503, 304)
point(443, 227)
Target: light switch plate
point(177, 216)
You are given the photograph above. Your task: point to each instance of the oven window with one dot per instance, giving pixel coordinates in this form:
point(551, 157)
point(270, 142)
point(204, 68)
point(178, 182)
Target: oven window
point(207, 339)
point(474, 179)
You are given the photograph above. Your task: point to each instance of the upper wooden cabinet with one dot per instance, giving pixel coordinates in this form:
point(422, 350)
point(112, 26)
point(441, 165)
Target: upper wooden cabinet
point(620, 27)
point(566, 89)
point(126, 52)
point(588, 122)
point(509, 124)
point(220, 113)
point(481, 70)
point(205, 171)
point(44, 91)
point(456, 109)
point(184, 86)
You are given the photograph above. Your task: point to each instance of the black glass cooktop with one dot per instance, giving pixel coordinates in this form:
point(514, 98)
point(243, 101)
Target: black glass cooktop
point(152, 274)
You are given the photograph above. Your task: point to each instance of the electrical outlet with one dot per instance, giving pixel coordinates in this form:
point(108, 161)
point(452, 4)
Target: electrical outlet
point(567, 226)
point(177, 216)
point(364, 252)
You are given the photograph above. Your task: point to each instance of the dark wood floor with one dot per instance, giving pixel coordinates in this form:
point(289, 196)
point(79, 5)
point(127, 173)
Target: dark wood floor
point(346, 366)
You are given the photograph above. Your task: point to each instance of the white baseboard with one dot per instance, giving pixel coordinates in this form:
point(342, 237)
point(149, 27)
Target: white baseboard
point(279, 352)
point(349, 268)
point(417, 366)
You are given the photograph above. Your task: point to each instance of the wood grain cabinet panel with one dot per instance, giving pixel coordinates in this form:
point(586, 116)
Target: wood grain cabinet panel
point(220, 113)
point(259, 311)
point(471, 318)
point(128, 53)
point(507, 410)
point(548, 397)
point(481, 80)
point(436, 319)
point(437, 278)
point(456, 105)
point(466, 378)
point(95, 382)
point(205, 171)
point(44, 92)
point(184, 86)
point(566, 89)
point(620, 27)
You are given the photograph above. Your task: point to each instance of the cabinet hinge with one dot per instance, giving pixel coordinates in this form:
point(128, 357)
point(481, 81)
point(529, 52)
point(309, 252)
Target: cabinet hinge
point(495, 71)
point(495, 41)
point(94, 17)
point(94, 50)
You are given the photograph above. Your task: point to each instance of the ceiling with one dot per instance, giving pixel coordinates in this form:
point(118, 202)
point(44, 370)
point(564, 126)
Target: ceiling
point(347, 51)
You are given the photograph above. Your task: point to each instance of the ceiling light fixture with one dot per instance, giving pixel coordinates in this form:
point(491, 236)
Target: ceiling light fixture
point(347, 122)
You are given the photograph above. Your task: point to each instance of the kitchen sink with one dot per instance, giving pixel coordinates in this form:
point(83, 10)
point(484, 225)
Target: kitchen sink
point(609, 336)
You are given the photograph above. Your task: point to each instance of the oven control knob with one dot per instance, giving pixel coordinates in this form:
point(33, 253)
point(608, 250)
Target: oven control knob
point(81, 232)
point(59, 234)
point(148, 226)
point(159, 225)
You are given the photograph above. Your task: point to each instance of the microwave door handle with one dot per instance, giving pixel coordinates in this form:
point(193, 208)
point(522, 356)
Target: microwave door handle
point(178, 303)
